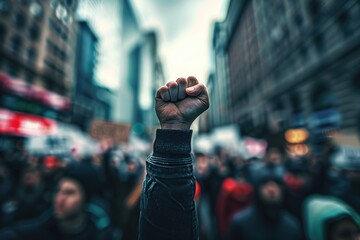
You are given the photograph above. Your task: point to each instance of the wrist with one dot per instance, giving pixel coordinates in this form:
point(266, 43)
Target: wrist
point(176, 126)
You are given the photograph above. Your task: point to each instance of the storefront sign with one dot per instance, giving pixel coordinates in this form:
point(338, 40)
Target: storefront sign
point(31, 92)
point(21, 124)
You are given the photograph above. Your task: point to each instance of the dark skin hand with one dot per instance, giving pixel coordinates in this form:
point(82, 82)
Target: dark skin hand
point(179, 103)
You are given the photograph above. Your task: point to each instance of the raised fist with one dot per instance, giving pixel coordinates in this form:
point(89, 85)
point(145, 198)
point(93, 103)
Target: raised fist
point(179, 103)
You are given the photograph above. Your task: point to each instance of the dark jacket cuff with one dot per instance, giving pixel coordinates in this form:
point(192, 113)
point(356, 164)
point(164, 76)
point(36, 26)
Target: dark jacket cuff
point(172, 143)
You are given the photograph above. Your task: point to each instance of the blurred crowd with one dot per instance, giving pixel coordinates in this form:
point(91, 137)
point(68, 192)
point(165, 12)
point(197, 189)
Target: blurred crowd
point(316, 196)
point(70, 197)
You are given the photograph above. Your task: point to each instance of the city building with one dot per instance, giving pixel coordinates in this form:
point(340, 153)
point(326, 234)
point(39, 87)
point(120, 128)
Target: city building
point(292, 64)
point(36, 59)
point(128, 59)
point(114, 44)
point(36, 54)
point(90, 101)
point(218, 86)
point(145, 77)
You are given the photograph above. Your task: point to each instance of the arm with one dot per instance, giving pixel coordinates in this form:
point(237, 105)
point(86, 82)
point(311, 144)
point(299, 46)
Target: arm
point(167, 203)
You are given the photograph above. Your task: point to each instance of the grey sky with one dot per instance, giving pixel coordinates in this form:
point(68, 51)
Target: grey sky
point(184, 28)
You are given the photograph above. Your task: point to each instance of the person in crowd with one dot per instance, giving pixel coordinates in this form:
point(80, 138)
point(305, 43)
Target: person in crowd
point(28, 201)
point(130, 186)
point(167, 203)
point(328, 218)
point(345, 172)
point(273, 160)
point(235, 196)
point(204, 173)
point(266, 219)
point(6, 190)
point(298, 186)
point(72, 217)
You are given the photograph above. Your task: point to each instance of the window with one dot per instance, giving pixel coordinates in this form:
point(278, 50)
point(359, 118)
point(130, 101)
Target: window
point(356, 82)
point(29, 77)
point(20, 20)
point(56, 51)
point(36, 10)
point(69, 3)
point(304, 53)
point(16, 43)
point(31, 55)
point(314, 9)
point(2, 34)
point(64, 36)
point(52, 67)
point(319, 42)
point(24, 2)
point(4, 7)
point(322, 98)
point(343, 20)
point(34, 32)
point(298, 20)
point(13, 70)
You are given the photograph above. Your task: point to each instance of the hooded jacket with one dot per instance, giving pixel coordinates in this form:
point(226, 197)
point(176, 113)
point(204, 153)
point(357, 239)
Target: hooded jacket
point(45, 228)
point(320, 211)
point(256, 222)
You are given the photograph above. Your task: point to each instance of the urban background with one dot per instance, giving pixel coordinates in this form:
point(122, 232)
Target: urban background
point(79, 77)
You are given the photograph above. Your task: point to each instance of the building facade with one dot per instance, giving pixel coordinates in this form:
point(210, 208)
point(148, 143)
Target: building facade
point(37, 42)
point(90, 101)
point(127, 57)
point(293, 64)
point(36, 59)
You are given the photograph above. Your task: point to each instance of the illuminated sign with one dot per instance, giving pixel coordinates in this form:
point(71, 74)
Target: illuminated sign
point(299, 149)
point(296, 135)
point(37, 93)
point(25, 124)
point(255, 147)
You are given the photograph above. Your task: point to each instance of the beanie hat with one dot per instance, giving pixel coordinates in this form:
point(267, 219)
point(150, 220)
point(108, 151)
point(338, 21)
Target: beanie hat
point(86, 176)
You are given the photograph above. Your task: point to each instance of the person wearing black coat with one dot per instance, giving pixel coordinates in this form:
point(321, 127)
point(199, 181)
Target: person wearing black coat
point(167, 207)
point(266, 219)
point(72, 216)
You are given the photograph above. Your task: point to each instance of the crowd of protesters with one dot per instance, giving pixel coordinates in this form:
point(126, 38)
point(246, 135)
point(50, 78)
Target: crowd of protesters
point(107, 196)
point(54, 197)
point(274, 197)
point(316, 196)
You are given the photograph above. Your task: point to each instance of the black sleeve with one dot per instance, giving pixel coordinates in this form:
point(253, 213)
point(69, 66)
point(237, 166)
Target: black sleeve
point(167, 202)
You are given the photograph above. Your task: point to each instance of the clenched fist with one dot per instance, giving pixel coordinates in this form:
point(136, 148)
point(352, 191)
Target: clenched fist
point(179, 103)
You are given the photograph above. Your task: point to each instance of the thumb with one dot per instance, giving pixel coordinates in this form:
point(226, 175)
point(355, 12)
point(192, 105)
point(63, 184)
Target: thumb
point(195, 90)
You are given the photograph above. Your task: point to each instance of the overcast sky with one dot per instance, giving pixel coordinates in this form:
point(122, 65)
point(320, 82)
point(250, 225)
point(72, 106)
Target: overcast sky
point(185, 28)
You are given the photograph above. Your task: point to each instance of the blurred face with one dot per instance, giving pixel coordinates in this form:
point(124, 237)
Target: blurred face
point(31, 179)
point(132, 167)
point(270, 192)
point(274, 156)
point(345, 230)
point(202, 165)
point(69, 200)
point(96, 160)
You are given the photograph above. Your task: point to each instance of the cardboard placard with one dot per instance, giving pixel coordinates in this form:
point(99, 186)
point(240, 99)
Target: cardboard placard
point(105, 131)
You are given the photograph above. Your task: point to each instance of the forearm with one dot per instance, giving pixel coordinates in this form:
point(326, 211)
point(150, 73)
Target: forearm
point(167, 204)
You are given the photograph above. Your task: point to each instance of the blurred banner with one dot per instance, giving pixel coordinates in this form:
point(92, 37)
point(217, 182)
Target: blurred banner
point(110, 131)
point(21, 124)
point(9, 85)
